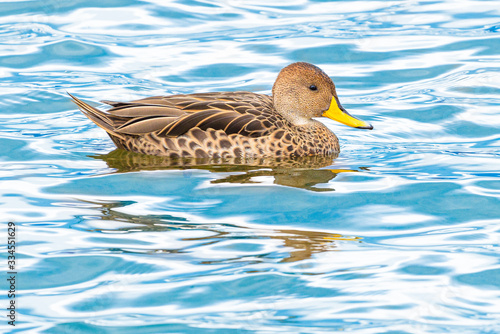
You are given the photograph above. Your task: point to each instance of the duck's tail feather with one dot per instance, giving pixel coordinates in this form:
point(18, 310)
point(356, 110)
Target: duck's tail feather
point(100, 118)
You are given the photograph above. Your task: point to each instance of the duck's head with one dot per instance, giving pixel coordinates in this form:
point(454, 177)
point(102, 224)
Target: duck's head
point(303, 91)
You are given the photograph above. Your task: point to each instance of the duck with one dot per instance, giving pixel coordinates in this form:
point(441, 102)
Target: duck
point(236, 124)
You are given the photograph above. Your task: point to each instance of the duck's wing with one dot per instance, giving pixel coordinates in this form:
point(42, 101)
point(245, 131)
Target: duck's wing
point(243, 113)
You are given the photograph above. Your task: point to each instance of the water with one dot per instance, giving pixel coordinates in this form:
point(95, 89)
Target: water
point(399, 234)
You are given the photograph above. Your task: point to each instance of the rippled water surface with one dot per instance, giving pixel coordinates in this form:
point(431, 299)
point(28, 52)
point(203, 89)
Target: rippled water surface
point(399, 234)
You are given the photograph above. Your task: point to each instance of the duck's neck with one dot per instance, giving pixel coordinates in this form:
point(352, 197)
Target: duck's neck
point(294, 118)
point(298, 121)
point(288, 109)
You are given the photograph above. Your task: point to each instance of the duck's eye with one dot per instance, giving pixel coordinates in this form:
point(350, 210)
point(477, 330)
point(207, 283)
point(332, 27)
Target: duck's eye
point(313, 87)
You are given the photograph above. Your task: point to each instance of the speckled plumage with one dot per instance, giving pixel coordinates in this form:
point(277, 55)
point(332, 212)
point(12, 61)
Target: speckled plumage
point(228, 124)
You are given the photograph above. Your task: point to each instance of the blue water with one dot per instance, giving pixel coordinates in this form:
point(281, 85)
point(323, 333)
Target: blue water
point(399, 234)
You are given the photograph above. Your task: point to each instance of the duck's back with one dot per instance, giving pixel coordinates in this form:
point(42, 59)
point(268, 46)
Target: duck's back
point(172, 116)
point(193, 125)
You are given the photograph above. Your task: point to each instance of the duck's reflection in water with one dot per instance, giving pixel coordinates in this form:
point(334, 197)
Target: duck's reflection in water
point(298, 172)
point(299, 244)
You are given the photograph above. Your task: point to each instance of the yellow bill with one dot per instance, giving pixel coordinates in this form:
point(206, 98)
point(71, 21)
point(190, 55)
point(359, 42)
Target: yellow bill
point(339, 114)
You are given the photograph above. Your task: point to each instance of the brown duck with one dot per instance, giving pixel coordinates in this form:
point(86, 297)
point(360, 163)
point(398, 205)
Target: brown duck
point(232, 124)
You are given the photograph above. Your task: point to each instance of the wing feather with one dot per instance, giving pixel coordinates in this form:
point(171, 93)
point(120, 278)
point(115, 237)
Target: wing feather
point(145, 125)
point(148, 110)
point(218, 121)
point(241, 113)
point(186, 123)
point(238, 125)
